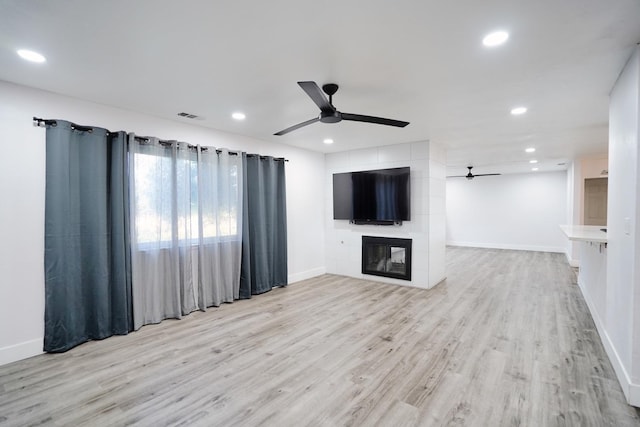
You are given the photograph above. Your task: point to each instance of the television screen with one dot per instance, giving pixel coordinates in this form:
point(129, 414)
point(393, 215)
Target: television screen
point(342, 196)
point(372, 196)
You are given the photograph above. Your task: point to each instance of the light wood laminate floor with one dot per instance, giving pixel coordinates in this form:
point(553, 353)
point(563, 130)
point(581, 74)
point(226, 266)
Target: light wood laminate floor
point(506, 340)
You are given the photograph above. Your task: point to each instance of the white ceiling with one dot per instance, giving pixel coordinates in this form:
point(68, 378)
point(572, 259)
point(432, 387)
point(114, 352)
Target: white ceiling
point(415, 60)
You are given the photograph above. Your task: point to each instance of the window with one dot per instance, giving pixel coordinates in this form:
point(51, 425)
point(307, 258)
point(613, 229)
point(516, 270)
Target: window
point(169, 199)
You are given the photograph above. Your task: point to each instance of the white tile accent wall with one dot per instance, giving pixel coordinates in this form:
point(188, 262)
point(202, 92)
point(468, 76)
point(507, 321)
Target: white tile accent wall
point(343, 240)
point(437, 213)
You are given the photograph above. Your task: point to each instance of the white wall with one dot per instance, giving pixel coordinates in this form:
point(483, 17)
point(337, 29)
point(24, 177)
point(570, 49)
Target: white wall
point(573, 172)
point(511, 211)
point(22, 185)
point(437, 213)
point(344, 240)
point(593, 277)
point(619, 321)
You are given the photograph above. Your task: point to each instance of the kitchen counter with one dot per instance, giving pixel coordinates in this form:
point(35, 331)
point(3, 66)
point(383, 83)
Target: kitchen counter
point(585, 233)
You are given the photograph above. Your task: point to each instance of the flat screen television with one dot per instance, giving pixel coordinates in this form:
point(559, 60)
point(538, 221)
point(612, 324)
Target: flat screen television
point(381, 196)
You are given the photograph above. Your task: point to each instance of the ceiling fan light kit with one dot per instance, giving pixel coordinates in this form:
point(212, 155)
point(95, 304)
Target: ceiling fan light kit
point(329, 113)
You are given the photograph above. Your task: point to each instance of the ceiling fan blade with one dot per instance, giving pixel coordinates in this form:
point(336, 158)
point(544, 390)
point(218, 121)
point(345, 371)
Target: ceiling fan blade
point(371, 119)
point(487, 174)
point(457, 176)
point(317, 96)
point(298, 126)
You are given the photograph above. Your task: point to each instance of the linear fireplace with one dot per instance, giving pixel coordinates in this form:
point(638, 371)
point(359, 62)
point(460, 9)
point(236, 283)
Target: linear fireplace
point(387, 257)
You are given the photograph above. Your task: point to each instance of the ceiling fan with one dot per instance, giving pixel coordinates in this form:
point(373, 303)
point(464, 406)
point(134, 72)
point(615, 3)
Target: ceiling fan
point(329, 113)
point(470, 176)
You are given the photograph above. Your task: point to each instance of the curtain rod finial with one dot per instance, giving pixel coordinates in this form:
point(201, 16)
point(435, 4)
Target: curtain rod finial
point(44, 122)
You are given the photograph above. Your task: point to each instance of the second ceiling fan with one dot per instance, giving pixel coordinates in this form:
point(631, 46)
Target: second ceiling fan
point(470, 176)
point(329, 113)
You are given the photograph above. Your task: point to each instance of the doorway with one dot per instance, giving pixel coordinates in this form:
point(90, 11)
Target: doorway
point(595, 201)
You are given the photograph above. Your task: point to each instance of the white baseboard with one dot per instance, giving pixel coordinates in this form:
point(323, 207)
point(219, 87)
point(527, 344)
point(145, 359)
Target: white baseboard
point(572, 262)
point(631, 391)
point(508, 246)
point(297, 277)
point(20, 351)
point(436, 283)
point(634, 395)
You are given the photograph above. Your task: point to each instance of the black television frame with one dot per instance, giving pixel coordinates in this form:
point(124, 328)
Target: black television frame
point(342, 180)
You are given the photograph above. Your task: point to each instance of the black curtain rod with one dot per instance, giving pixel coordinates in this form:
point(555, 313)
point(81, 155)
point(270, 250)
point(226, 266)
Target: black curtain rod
point(171, 142)
point(282, 159)
point(40, 122)
point(51, 122)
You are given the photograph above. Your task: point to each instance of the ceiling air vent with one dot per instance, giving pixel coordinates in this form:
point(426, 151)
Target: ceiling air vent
point(188, 115)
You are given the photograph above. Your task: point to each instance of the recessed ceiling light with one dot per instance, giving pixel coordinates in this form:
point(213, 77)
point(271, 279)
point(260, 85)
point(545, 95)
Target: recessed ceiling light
point(495, 39)
point(30, 55)
point(533, 161)
point(518, 110)
point(328, 141)
point(530, 150)
point(534, 169)
point(238, 116)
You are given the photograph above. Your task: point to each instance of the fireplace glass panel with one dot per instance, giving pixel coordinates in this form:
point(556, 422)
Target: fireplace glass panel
point(376, 258)
point(397, 258)
point(386, 257)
